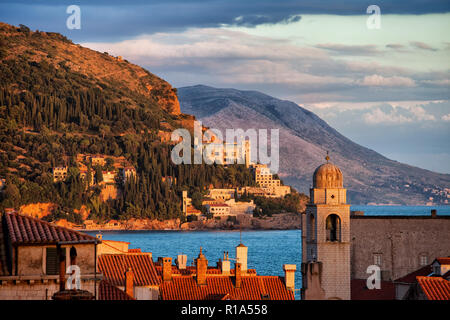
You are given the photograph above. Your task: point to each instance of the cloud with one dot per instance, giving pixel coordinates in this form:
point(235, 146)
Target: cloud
point(414, 133)
point(378, 116)
point(354, 50)
point(280, 67)
point(380, 81)
point(112, 19)
point(413, 113)
point(395, 46)
point(258, 19)
point(422, 45)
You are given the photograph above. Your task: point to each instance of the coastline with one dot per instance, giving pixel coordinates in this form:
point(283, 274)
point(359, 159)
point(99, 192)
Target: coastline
point(282, 221)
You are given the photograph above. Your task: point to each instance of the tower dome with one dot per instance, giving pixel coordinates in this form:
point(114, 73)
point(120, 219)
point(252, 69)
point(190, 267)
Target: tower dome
point(328, 175)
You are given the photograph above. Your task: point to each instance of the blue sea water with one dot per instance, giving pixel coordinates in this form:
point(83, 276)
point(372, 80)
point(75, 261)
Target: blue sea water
point(401, 210)
point(267, 250)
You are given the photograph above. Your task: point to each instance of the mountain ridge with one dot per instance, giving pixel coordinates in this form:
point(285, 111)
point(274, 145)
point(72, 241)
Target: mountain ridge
point(370, 177)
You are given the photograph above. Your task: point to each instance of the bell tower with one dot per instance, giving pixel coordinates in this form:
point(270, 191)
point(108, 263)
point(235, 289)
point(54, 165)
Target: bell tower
point(326, 237)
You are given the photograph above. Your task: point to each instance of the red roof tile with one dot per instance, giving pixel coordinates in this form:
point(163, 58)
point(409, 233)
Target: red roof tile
point(136, 250)
point(359, 290)
point(222, 287)
point(25, 230)
point(411, 277)
point(435, 288)
point(109, 292)
point(192, 270)
point(445, 260)
point(113, 267)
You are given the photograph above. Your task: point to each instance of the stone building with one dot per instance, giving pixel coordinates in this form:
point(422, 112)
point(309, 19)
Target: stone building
point(227, 153)
point(59, 173)
point(326, 237)
point(34, 255)
point(218, 209)
point(339, 246)
point(399, 245)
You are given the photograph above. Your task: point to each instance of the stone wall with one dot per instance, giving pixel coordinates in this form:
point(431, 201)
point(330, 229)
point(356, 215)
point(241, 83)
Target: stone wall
point(399, 240)
point(31, 259)
point(35, 289)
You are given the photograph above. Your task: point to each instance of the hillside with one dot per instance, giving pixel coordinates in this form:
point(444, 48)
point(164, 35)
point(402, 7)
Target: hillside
point(304, 140)
point(60, 102)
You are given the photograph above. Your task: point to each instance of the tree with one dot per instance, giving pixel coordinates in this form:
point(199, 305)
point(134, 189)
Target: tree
point(98, 174)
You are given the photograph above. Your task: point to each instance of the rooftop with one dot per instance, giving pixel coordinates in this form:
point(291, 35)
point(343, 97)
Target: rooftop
point(222, 287)
point(435, 288)
point(444, 261)
point(25, 230)
point(359, 291)
point(411, 277)
point(113, 267)
point(107, 291)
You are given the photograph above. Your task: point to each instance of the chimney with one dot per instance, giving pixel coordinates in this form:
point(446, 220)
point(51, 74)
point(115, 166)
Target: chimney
point(237, 275)
point(241, 256)
point(433, 213)
point(181, 261)
point(225, 264)
point(167, 269)
point(129, 282)
point(202, 267)
point(289, 276)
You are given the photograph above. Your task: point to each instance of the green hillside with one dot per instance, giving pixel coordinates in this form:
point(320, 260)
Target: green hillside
point(58, 99)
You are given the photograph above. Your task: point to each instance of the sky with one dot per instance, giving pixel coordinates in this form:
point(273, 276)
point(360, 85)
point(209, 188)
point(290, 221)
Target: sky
point(386, 88)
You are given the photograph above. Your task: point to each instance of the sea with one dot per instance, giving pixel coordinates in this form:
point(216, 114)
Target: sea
point(268, 250)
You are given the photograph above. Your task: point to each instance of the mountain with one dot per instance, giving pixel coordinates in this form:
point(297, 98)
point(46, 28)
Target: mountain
point(304, 140)
point(61, 103)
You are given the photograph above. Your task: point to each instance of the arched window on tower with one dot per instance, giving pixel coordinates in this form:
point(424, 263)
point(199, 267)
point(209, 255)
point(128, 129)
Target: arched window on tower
point(311, 228)
point(333, 228)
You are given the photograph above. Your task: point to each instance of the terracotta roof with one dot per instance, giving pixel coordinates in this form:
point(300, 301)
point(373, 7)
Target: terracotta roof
point(445, 260)
point(25, 230)
point(107, 291)
point(113, 267)
point(411, 277)
point(359, 290)
point(222, 287)
point(435, 288)
point(136, 250)
point(192, 270)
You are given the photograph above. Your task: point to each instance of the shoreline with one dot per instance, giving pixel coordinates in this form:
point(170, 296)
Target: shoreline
point(281, 221)
point(180, 230)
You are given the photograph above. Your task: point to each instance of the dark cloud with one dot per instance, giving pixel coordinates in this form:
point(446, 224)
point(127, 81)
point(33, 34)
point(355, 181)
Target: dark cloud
point(106, 20)
point(355, 50)
point(422, 45)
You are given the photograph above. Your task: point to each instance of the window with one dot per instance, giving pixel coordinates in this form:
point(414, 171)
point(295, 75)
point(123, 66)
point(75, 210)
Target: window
point(377, 259)
point(437, 270)
point(312, 227)
point(423, 260)
point(51, 261)
point(333, 228)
